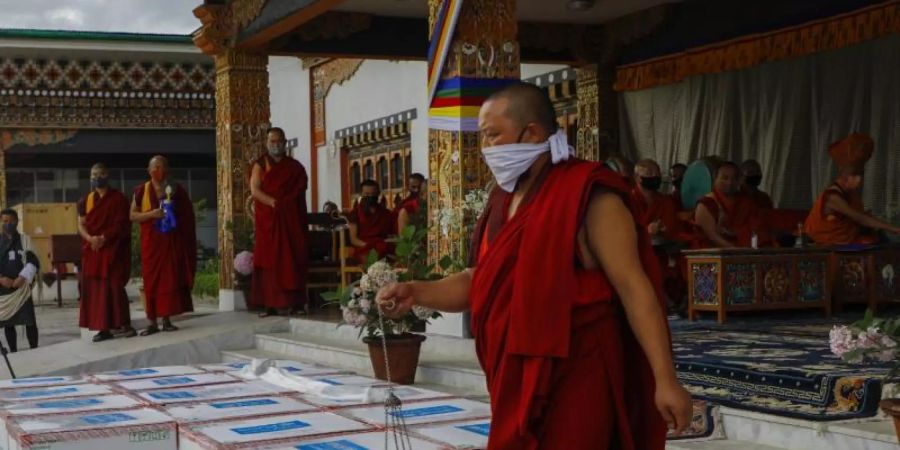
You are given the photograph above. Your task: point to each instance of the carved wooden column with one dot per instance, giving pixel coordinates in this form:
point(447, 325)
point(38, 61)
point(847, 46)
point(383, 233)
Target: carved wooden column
point(484, 47)
point(608, 119)
point(242, 119)
point(588, 113)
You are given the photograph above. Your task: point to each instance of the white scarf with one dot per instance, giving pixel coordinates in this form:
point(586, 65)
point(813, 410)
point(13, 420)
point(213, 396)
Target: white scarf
point(508, 162)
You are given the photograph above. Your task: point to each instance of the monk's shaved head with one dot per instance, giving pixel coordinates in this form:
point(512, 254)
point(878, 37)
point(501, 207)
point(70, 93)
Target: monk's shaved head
point(526, 104)
point(647, 168)
point(99, 166)
point(159, 161)
point(751, 168)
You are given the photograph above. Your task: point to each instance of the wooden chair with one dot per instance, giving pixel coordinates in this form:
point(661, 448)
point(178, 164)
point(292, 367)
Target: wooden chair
point(64, 249)
point(349, 265)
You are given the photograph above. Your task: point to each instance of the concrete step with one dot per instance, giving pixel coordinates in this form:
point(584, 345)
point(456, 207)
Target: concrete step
point(719, 445)
point(435, 367)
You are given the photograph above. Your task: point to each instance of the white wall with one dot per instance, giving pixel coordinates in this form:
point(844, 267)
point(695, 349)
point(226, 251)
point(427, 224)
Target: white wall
point(289, 104)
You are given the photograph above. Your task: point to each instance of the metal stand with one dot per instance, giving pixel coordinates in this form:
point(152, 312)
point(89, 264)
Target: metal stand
point(4, 352)
point(395, 422)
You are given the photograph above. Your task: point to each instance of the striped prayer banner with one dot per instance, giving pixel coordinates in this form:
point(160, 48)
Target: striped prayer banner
point(457, 101)
point(444, 26)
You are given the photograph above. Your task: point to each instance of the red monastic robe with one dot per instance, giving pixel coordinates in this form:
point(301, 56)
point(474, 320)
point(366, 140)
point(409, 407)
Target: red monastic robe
point(373, 228)
point(105, 272)
point(563, 368)
point(168, 260)
point(671, 264)
point(738, 215)
point(760, 199)
point(280, 256)
point(835, 228)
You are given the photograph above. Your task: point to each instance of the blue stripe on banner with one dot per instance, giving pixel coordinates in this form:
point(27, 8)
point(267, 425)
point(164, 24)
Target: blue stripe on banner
point(271, 428)
point(452, 124)
point(428, 411)
point(470, 83)
point(438, 24)
point(342, 444)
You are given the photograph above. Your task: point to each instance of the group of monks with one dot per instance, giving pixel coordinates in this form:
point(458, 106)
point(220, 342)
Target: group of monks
point(168, 236)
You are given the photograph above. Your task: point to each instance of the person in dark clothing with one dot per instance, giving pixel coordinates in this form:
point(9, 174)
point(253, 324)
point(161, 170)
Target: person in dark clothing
point(18, 270)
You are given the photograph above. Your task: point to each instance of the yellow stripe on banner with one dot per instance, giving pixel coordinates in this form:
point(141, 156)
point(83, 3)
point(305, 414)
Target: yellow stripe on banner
point(89, 206)
point(145, 202)
point(455, 111)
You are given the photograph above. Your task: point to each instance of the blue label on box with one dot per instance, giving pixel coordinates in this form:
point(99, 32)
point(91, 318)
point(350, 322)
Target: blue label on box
point(38, 380)
point(330, 381)
point(70, 403)
point(244, 404)
point(46, 392)
point(172, 395)
point(482, 428)
point(342, 444)
point(237, 365)
point(103, 419)
point(173, 381)
point(429, 411)
point(136, 372)
point(271, 428)
point(293, 369)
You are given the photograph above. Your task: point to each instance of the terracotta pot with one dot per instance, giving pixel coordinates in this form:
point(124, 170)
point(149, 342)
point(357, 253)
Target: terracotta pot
point(403, 357)
point(891, 407)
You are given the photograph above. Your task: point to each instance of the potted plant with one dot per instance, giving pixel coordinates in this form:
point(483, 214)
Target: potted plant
point(873, 339)
point(358, 308)
point(242, 230)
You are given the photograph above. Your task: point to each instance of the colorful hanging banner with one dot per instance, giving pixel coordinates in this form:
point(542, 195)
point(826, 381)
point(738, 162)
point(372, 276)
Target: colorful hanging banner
point(457, 101)
point(441, 38)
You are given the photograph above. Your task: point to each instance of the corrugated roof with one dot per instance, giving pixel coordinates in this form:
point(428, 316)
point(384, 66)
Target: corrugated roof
point(95, 36)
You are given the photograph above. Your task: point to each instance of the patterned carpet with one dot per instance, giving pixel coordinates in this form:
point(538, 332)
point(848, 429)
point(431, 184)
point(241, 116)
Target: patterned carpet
point(783, 369)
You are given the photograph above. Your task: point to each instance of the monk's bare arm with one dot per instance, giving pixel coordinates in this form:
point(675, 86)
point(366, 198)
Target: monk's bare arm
point(612, 240)
point(708, 224)
point(837, 204)
point(402, 220)
point(256, 187)
point(82, 230)
point(137, 216)
point(354, 235)
point(450, 294)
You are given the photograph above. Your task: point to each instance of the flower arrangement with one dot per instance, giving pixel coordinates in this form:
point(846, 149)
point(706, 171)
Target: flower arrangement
point(870, 339)
point(243, 263)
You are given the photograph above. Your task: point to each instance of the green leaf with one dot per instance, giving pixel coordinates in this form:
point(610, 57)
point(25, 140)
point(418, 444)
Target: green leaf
point(446, 262)
point(408, 232)
point(372, 258)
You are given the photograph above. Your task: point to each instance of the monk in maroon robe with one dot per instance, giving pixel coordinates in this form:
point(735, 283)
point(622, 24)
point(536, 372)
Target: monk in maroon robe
point(371, 224)
point(280, 256)
point(564, 296)
point(726, 217)
point(407, 210)
point(168, 259)
point(104, 226)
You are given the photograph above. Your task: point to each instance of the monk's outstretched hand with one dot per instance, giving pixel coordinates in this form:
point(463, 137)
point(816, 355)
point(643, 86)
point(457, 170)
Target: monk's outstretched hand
point(395, 300)
point(674, 404)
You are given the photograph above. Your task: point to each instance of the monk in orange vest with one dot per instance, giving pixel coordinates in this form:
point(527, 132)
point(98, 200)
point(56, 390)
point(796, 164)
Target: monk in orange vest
point(838, 216)
point(564, 295)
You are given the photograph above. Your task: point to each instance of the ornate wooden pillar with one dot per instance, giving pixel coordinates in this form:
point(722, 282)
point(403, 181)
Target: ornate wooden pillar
point(598, 113)
point(484, 49)
point(242, 119)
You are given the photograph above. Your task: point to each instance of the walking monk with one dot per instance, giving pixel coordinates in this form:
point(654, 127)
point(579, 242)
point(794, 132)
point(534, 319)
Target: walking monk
point(104, 225)
point(563, 291)
point(838, 216)
point(280, 256)
point(168, 255)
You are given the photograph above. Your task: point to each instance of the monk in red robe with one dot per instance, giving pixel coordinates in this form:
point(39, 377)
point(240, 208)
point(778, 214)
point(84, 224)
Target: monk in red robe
point(659, 214)
point(751, 173)
point(726, 218)
point(104, 225)
point(371, 224)
point(838, 216)
point(168, 257)
point(567, 322)
point(408, 208)
point(280, 256)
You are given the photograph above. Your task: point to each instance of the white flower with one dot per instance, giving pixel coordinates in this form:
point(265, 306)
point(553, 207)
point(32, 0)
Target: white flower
point(353, 318)
point(841, 340)
point(365, 304)
point(422, 312)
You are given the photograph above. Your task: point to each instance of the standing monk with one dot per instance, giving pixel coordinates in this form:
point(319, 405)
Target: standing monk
point(104, 225)
point(725, 217)
point(838, 216)
point(371, 224)
point(567, 322)
point(280, 256)
point(168, 256)
point(407, 210)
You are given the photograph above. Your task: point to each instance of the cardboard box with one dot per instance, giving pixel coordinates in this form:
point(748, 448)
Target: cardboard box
point(143, 429)
point(359, 441)
point(175, 381)
point(434, 411)
point(469, 434)
point(39, 220)
point(66, 391)
point(147, 372)
point(292, 367)
point(36, 382)
point(349, 380)
point(236, 408)
point(255, 433)
point(210, 393)
point(352, 396)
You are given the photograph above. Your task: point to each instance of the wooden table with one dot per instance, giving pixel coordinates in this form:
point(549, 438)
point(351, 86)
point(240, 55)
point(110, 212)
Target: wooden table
point(725, 280)
point(870, 275)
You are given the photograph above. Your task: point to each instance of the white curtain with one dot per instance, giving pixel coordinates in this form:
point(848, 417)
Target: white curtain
point(784, 114)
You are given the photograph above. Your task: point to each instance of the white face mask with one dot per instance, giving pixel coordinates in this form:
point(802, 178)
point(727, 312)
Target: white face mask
point(508, 162)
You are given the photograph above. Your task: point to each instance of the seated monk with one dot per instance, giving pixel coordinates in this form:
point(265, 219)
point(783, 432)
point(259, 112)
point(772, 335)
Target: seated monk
point(838, 216)
point(371, 224)
point(622, 166)
point(676, 174)
point(752, 175)
point(659, 214)
point(407, 210)
point(725, 218)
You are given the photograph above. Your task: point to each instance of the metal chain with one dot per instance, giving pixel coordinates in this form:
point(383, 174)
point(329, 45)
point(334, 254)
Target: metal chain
point(393, 407)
